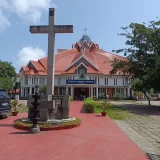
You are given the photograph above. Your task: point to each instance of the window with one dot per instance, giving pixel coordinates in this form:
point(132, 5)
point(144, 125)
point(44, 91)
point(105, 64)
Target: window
point(81, 72)
point(32, 90)
point(59, 81)
point(115, 81)
point(106, 81)
point(101, 92)
point(94, 92)
point(41, 81)
point(26, 80)
point(35, 81)
point(62, 91)
point(98, 80)
point(95, 80)
point(126, 81)
point(73, 77)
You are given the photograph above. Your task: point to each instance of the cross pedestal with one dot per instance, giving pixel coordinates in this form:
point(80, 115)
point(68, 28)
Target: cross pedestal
point(48, 108)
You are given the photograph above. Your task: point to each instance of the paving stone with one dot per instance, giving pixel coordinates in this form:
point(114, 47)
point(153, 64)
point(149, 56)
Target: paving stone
point(143, 130)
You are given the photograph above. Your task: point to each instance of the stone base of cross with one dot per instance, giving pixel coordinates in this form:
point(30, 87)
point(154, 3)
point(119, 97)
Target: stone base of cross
point(57, 107)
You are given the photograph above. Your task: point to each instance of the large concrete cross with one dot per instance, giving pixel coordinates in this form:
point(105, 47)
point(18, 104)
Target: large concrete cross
point(51, 29)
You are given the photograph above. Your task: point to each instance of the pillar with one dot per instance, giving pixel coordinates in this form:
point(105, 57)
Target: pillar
point(125, 96)
point(106, 92)
point(128, 90)
point(22, 92)
point(91, 91)
point(30, 90)
point(132, 93)
point(96, 92)
point(72, 91)
point(66, 90)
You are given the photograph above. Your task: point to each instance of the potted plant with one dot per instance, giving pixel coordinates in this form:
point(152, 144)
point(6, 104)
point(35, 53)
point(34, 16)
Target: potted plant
point(14, 107)
point(104, 105)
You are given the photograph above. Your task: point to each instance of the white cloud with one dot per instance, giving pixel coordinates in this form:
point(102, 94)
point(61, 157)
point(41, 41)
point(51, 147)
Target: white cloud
point(26, 54)
point(4, 22)
point(30, 10)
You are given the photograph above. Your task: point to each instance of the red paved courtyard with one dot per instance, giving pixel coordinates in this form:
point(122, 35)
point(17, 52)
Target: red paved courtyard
point(98, 138)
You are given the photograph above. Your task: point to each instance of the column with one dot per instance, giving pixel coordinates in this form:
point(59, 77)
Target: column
point(30, 90)
point(115, 91)
point(96, 92)
point(22, 92)
point(91, 91)
point(72, 90)
point(132, 93)
point(106, 92)
point(66, 90)
point(128, 90)
point(125, 96)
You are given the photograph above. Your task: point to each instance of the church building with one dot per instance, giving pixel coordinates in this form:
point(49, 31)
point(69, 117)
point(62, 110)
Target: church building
point(82, 70)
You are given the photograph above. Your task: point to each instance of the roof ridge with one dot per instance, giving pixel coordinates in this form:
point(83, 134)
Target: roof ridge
point(112, 53)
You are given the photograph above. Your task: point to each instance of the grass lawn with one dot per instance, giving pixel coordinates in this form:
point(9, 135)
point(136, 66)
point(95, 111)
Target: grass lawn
point(114, 112)
point(121, 100)
point(22, 109)
point(133, 101)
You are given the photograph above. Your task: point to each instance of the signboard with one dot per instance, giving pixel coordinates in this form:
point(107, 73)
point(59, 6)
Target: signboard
point(80, 81)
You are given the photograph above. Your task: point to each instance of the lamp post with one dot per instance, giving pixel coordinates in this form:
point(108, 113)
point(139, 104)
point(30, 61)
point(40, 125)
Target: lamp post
point(35, 129)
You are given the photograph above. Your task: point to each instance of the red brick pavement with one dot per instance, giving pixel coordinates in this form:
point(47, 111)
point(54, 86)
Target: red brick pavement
point(98, 138)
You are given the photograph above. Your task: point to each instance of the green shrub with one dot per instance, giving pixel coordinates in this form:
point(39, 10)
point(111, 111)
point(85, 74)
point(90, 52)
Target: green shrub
point(70, 98)
point(89, 107)
point(89, 99)
point(96, 104)
point(117, 97)
point(105, 105)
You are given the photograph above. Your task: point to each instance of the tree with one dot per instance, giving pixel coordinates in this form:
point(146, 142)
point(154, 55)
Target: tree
point(6, 83)
point(43, 89)
point(16, 84)
point(7, 70)
point(143, 56)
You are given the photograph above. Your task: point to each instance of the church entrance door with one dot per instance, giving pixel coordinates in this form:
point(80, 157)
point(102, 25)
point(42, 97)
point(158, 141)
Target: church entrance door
point(81, 92)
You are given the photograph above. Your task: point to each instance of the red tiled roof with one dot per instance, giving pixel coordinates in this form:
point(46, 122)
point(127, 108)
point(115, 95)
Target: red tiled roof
point(96, 57)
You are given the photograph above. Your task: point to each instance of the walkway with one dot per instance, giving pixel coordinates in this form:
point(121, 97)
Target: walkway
point(98, 138)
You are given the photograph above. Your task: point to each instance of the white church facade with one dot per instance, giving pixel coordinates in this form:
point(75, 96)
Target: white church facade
point(82, 70)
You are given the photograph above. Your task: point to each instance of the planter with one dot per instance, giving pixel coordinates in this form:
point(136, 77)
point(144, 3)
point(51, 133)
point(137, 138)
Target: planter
point(103, 113)
point(14, 113)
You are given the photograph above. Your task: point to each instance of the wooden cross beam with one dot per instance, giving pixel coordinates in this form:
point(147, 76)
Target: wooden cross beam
point(51, 29)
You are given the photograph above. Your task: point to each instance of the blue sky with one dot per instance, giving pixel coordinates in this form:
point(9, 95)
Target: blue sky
point(103, 19)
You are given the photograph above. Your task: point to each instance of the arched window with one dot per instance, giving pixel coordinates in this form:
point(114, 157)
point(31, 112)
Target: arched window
point(81, 72)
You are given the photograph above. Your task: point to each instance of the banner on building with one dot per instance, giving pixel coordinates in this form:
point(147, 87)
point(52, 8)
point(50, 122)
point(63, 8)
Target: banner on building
point(80, 81)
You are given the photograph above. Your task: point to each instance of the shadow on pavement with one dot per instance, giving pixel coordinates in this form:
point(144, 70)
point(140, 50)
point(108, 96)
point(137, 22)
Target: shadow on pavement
point(6, 125)
point(141, 109)
point(19, 133)
point(153, 156)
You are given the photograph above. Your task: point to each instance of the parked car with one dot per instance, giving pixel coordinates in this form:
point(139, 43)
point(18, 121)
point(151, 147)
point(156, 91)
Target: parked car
point(4, 103)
